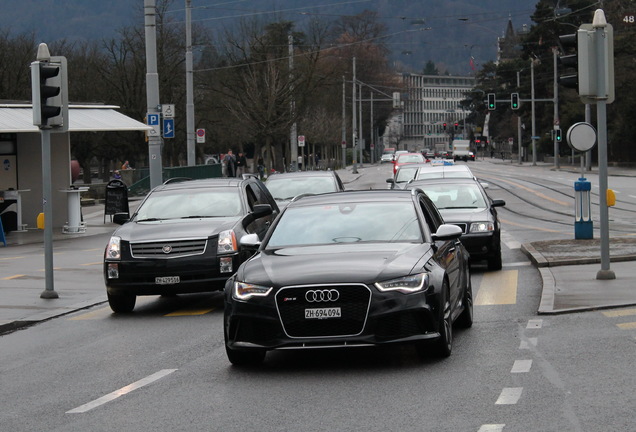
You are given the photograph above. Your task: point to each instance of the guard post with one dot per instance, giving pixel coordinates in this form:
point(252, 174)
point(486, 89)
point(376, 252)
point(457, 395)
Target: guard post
point(582, 137)
point(583, 226)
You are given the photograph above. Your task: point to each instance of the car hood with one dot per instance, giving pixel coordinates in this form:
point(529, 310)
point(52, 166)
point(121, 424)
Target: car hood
point(348, 263)
point(174, 229)
point(465, 215)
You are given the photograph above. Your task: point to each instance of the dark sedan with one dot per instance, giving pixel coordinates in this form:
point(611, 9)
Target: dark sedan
point(285, 186)
point(464, 202)
point(350, 269)
point(183, 238)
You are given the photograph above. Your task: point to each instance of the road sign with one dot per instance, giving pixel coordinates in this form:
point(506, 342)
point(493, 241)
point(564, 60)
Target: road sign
point(301, 140)
point(168, 128)
point(344, 144)
point(200, 136)
point(167, 110)
point(153, 120)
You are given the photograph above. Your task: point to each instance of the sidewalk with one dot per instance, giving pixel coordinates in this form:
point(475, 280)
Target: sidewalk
point(568, 269)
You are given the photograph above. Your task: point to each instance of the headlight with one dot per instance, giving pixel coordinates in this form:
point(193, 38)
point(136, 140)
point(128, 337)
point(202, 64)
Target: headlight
point(477, 227)
point(406, 284)
point(113, 250)
point(244, 291)
point(227, 242)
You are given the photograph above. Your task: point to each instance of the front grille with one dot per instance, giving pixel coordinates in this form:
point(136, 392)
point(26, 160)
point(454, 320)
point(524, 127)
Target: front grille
point(463, 226)
point(353, 302)
point(168, 249)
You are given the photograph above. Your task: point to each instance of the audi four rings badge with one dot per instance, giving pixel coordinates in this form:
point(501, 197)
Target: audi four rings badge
point(317, 296)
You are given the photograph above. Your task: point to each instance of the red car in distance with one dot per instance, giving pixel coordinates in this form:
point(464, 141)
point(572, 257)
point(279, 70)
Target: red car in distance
point(407, 158)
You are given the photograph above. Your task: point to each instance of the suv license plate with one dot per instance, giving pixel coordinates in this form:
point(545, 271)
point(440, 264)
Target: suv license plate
point(167, 280)
point(322, 313)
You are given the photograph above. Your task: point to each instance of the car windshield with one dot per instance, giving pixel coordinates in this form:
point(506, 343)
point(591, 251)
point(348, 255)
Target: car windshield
point(191, 203)
point(347, 223)
point(455, 196)
point(443, 173)
point(410, 158)
point(285, 188)
point(405, 174)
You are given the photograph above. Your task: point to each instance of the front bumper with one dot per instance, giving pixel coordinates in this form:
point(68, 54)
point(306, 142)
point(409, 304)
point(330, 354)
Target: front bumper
point(481, 245)
point(388, 318)
point(196, 274)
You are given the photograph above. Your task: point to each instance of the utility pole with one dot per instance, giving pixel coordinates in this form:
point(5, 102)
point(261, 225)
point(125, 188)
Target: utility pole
point(344, 125)
point(293, 132)
point(360, 140)
point(152, 92)
point(190, 138)
point(519, 147)
point(354, 121)
point(534, 132)
point(371, 136)
point(556, 111)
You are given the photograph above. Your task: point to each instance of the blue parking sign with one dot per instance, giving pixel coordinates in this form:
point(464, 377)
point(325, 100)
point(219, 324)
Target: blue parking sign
point(152, 119)
point(168, 128)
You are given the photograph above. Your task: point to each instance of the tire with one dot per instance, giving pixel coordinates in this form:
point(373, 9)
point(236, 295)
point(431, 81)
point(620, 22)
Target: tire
point(444, 345)
point(494, 262)
point(465, 320)
point(121, 303)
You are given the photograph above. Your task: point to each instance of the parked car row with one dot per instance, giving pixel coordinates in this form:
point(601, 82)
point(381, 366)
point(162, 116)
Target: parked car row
point(305, 264)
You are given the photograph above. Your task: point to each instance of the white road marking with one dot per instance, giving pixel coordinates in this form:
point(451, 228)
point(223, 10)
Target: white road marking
point(534, 324)
point(509, 241)
point(509, 396)
point(526, 344)
point(491, 428)
point(122, 391)
point(521, 366)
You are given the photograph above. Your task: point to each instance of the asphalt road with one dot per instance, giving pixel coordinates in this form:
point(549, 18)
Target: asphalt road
point(164, 366)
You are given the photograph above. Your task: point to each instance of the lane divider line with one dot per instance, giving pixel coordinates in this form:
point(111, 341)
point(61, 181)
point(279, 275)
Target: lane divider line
point(521, 366)
point(509, 396)
point(121, 392)
point(619, 313)
point(491, 428)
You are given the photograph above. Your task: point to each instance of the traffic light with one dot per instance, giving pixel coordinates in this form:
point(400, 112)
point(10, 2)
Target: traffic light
point(49, 90)
point(444, 127)
point(569, 61)
point(456, 126)
point(514, 101)
point(491, 101)
point(557, 133)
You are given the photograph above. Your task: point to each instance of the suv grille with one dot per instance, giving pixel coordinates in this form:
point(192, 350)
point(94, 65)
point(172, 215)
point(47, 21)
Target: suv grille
point(353, 301)
point(168, 249)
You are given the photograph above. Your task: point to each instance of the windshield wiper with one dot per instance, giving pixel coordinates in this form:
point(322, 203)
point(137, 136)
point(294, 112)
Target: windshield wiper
point(149, 220)
point(195, 217)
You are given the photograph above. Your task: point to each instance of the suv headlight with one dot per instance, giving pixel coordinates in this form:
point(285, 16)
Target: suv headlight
point(113, 250)
point(477, 227)
point(227, 242)
point(244, 290)
point(406, 284)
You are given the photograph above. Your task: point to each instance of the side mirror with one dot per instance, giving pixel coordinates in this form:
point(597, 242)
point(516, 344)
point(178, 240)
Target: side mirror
point(497, 203)
point(250, 242)
point(121, 218)
point(447, 232)
point(259, 211)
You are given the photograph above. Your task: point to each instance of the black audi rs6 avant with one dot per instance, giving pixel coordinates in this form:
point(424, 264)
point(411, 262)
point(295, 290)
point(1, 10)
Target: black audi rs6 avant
point(349, 269)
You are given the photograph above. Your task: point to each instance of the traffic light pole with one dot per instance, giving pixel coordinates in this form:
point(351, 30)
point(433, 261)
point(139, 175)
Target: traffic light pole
point(556, 111)
point(47, 207)
point(602, 59)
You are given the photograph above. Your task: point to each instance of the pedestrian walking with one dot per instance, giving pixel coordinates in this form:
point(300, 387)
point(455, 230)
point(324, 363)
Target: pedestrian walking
point(241, 163)
point(230, 164)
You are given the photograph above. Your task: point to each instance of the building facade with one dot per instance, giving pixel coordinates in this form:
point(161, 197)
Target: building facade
point(432, 114)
